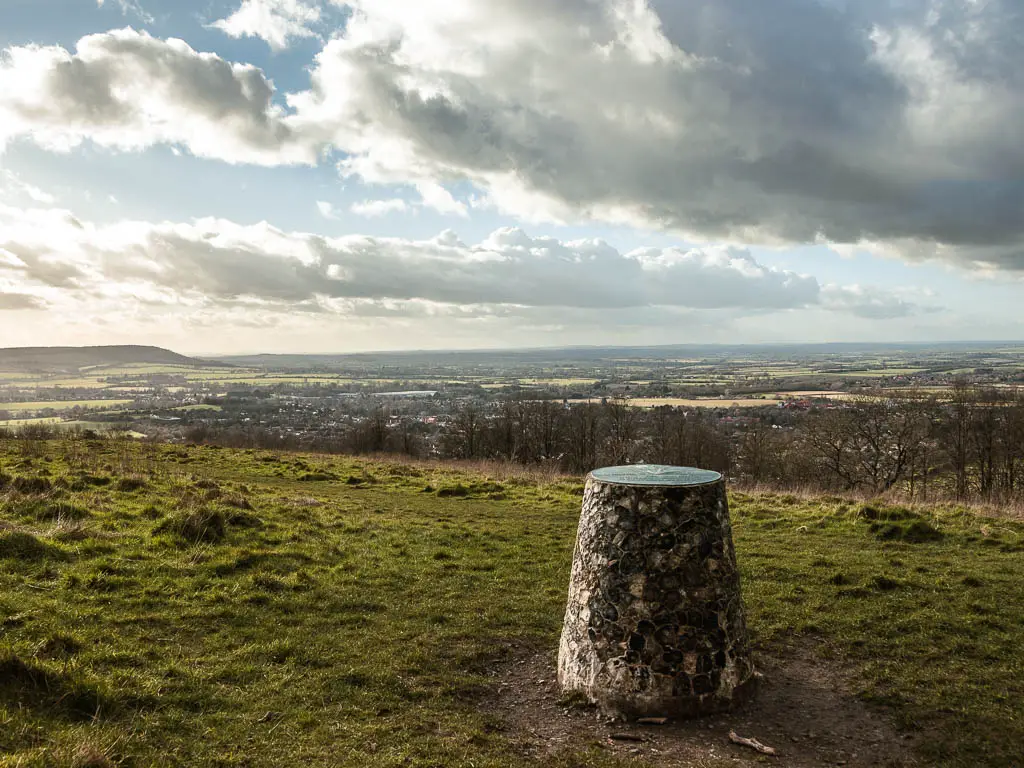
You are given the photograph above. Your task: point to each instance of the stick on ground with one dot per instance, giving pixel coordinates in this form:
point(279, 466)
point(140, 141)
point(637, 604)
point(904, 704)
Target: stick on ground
point(752, 743)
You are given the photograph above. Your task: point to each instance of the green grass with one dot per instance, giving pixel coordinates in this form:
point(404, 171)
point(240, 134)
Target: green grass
point(60, 405)
point(204, 607)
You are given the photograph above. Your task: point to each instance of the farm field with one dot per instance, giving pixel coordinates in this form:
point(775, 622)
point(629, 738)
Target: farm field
point(654, 402)
point(762, 401)
point(210, 607)
point(63, 405)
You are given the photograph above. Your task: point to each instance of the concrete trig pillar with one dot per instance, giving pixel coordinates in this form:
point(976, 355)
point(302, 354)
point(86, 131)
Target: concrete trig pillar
point(654, 624)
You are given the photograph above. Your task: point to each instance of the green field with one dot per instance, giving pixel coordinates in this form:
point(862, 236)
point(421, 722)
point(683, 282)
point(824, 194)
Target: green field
point(60, 405)
point(14, 423)
point(163, 605)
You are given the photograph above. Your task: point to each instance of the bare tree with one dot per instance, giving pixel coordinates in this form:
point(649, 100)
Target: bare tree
point(887, 434)
point(622, 431)
point(583, 431)
point(829, 436)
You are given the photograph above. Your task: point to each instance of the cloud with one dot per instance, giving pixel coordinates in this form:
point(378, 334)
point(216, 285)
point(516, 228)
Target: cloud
point(440, 199)
point(130, 8)
point(878, 124)
point(373, 208)
point(12, 185)
point(214, 262)
point(796, 121)
point(277, 22)
point(17, 301)
point(869, 303)
point(326, 209)
point(127, 90)
point(432, 196)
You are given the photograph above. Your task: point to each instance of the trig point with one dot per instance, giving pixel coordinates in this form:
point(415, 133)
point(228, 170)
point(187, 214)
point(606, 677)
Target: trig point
point(654, 625)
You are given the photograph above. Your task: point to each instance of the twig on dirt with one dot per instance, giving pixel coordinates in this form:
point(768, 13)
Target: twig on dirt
point(626, 737)
point(652, 720)
point(752, 743)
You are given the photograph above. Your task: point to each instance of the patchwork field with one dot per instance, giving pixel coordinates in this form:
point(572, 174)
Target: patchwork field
point(202, 607)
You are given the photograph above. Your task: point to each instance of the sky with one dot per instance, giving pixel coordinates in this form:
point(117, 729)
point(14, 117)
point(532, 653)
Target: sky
point(240, 176)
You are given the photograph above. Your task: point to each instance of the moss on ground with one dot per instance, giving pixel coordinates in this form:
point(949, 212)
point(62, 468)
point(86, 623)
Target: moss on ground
point(199, 607)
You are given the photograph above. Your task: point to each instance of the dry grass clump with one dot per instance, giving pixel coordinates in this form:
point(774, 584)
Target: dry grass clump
point(130, 483)
point(198, 525)
point(18, 544)
point(90, 756)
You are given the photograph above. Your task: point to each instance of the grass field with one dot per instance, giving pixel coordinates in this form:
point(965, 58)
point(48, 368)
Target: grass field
point(203, 607)
point(684, 402)
point(26, 422)
point(69, 425)
point(59, 405)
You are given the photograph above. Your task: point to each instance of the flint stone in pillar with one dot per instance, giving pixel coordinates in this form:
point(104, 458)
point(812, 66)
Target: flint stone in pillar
point(654, 623)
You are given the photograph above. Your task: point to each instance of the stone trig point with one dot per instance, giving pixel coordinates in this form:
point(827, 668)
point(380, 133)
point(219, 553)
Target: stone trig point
point(654, 624)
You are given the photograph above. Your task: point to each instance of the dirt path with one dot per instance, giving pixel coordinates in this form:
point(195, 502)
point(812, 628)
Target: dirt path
point(805, 710)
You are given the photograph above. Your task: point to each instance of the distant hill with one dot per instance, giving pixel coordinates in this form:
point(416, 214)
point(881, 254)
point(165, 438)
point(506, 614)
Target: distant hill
point(72, 359)
point(592, 354)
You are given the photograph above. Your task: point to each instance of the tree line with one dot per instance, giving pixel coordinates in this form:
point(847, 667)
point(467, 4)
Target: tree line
point(964, 443)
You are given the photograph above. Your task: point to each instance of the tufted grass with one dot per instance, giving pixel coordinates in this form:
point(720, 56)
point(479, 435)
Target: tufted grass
point(246, 608)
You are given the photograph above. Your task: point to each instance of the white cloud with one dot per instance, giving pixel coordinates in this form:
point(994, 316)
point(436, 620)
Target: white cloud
point(214, 262)
point(12, 185)
point(326, 209)
point(130, 8)
point(869, 303)
point(372, 208)
point(277, 22)
point(440, 199)
point(127, 90)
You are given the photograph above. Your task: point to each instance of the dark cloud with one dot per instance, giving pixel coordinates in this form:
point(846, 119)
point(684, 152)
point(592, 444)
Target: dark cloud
point(893, 124)
point(793, 121)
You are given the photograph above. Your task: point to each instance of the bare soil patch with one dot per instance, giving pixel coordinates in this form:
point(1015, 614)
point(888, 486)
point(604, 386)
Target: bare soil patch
point(805, 710)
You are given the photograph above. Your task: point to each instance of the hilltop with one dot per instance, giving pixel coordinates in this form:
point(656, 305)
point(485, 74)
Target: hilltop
point(74, 359)
point(197, 606)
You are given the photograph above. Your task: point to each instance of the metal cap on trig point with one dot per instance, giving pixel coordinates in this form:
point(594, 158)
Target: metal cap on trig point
point(655, 474)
